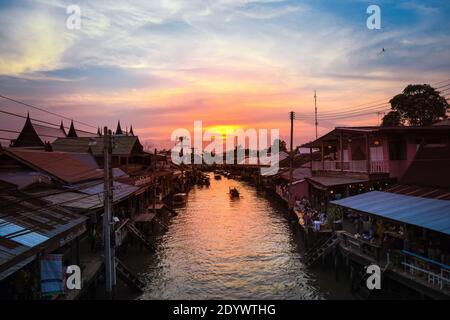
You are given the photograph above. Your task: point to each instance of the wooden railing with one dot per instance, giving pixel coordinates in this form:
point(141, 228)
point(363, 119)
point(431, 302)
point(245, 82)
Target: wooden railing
point(351, 166)
point(360, 245)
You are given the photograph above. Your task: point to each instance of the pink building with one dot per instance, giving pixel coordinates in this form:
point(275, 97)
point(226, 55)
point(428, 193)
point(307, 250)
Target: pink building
point(360, 159)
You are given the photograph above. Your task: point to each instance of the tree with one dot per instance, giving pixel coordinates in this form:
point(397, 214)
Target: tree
point(392, 119)
point(420, 105)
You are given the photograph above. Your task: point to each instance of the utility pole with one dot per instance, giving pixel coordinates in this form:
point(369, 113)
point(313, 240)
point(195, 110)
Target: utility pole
point(182, 164)
point(107, 204)
point(291, 158)
point(111, 201)
point(315, 111)
point(154, 183)
point(380, 114)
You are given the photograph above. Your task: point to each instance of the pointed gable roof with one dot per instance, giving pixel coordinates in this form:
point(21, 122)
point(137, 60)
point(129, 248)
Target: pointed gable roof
point(28, 137)
point(119, 129)
point(61, 126)
point(72, 132)
point(131, 130)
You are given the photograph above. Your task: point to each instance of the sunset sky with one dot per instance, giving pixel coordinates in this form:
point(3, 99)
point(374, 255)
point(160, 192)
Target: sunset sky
point(160, 65)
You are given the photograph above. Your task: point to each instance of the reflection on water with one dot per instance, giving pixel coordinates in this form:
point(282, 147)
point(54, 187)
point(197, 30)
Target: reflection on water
point(222, 248)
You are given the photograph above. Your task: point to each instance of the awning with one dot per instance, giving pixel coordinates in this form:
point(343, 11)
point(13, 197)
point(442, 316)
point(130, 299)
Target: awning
point(324, 183)
point(426, 213)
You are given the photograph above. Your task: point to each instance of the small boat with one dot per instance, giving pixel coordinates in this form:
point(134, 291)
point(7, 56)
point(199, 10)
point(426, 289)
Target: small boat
point(203, 181)
point(234, 192)
point(179, 199)
point(217, 177)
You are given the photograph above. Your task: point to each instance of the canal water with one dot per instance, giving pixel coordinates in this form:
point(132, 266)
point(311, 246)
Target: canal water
point(222, 248)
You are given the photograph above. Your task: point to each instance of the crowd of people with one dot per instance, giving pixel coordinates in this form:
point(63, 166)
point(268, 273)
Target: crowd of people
point(310, 217)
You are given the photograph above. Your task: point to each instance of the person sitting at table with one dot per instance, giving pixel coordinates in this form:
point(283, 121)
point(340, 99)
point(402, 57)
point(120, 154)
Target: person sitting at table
point(359, 226)
point(307, 219)
point(366, 225)
point(322, 217)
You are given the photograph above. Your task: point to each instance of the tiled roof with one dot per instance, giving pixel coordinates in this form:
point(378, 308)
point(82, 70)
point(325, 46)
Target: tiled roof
point(123, 145)
point(85, 134)
point(80, 145)
point(48, 134)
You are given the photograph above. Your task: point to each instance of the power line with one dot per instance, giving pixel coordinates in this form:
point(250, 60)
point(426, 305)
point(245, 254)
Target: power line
point(24, 117)
point(27, 212)
point(315, 112)
point(332, 113)
point(41, 121)
point(43, 196)
point(376, 106)
point(347, 113)
point(15, 131)
point(442, 81)
point(355, 111)
point(43, 110)
point(342, 116)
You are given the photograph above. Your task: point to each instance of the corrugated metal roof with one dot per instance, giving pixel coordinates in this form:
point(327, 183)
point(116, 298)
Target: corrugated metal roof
point(121, 190)
point(76, 200)
point(23, 179)
point(68, 167)
point(20, 235)
point(92, 197)
point(297, 174)
point(335, 181)
point(423, 212)
point(28, 226)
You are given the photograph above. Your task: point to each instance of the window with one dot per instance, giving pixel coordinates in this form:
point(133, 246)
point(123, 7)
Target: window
point(345, 155)
point(397, 150)
point(376, 154)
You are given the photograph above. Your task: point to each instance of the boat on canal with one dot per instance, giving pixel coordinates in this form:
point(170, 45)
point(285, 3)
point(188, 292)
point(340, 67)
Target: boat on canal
point(234, 192)
point(203, 180)
point(217, 177)
point(179, 199)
